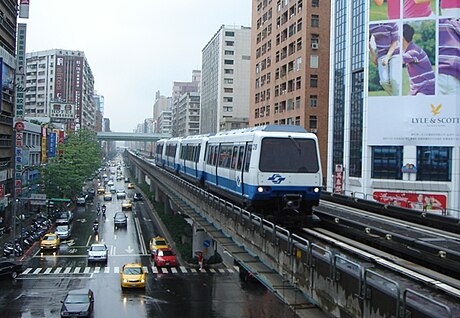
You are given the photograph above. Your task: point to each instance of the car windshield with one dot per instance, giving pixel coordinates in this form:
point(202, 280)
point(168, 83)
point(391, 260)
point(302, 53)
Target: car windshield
point(76, 299)
point(98, 248)
point(299, 155)
point(62, 228)
point(133, 271)
point(50, 238)
point(165, 253)
point(119, 216)
point(160, 242)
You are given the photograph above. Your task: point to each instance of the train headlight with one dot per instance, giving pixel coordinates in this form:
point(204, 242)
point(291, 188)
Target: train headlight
point(260, 189)
point(316, 190)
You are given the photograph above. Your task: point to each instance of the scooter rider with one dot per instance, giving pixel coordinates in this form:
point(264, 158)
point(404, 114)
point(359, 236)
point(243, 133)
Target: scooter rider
point(95, 226)
point(104, 208)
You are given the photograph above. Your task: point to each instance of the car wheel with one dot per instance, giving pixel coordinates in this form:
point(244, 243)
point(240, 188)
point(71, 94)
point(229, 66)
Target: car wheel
point(14, 274)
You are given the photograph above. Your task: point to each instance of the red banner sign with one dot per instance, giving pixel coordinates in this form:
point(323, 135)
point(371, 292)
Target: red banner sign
point(417, 201)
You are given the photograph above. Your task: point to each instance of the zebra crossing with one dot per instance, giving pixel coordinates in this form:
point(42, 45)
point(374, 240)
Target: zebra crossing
point(88, 270)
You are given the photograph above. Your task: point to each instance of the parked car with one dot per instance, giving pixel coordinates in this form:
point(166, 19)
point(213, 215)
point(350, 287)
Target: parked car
point(78, 303)
point(157, 242)
point(50, 242)
point(81, 199)
point(120, 220)
point(63, 231)
point(138, 196)
point(130, 185)
point(113, 189)
point(164, 257)
point(10, 269)
point(98, 252)
point(132, 276)
point(121, 194)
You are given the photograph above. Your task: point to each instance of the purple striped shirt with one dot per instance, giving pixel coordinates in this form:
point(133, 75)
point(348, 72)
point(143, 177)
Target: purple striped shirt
point(449, 47)
point(384, 35)
point(421, 75)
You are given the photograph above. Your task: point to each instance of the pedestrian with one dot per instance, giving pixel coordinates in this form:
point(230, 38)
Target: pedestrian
point(419, 68)
point(200, 260)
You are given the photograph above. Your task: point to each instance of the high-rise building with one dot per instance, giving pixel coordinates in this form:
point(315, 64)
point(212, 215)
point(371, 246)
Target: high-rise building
point(179, 89)
point(164, 122)
point(188, 114)
point(394, 124)
point(9, 10)
point(290, 65)
point(225, 80)
point(60, 85)
point(162, 103)
point(99, 105)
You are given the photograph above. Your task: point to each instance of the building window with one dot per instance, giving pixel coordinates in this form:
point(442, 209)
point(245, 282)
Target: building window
point(228, 62)
point(313, 122)
point(313, 101)
point(315, 3)
point(228, 90)
point(434, 163)
point(229, 52)
point(387, 162)
point(315, 21)
point(297, 121)
point(314, 61)
point(229, 33)
point(228, 99)
point(228, 80)
point(229, 43)
point(314, 80)
point(228, 71)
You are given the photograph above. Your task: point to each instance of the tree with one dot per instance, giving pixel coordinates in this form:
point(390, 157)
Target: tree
point(78, 157)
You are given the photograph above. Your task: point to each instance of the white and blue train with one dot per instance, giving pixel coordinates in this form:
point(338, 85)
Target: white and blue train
point(272, 170)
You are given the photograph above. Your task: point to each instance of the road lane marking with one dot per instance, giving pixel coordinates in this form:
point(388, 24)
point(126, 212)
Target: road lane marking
point(212, 270)
point(139, 235)
point(67, 270)
point(116, 270)
point(221, 270)
point(230, 270)
point(174, 270)
point(145, 269)
point(58, 270)
point(77, 270)
point(27, 271)
point(193, 270)
point(183, 269)
point(37, 271)
point(154, 270)
point(89, 240)
point(114, 250)
point(86, 271)
point(106, 270)
point(48, 270)
point(237, 269)
point(96, 270)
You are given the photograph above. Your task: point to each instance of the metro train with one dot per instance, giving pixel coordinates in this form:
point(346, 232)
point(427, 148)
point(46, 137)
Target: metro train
point(271, 170)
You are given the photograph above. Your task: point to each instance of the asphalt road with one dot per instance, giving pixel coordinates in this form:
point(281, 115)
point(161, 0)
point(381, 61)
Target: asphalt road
point(174, 292)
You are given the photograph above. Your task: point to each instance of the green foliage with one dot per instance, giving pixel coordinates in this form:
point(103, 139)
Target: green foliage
point(425, 37)
point(374, 79)
point(79, 156)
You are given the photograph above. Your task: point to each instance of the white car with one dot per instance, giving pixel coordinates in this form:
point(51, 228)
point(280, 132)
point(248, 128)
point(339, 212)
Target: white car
point(98, 252)
point(110, 183)
point(63, 231)
point(121, 194)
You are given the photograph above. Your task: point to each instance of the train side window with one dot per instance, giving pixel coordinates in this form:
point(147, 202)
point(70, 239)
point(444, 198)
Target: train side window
point(234, 157)
point(240, 158)
point(247, 160)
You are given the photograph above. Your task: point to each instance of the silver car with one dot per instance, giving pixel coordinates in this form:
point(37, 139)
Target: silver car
point(98, 253)
point(63, 231)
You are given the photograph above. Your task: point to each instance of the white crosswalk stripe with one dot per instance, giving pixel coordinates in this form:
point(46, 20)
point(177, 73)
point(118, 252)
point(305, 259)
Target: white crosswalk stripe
point(116, 269)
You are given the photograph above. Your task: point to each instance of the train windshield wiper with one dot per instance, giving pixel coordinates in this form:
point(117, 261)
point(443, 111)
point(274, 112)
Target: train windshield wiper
point(296, 144)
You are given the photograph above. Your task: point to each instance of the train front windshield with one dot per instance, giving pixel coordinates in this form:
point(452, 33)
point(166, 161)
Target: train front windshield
point(291, 155)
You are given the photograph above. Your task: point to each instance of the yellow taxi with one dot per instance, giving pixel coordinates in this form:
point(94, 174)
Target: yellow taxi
point(157, 242)
point(126, 204)
point(130, 185)
point(100, 190)
point(132, 276)
point(107, 196)
point(50, 242)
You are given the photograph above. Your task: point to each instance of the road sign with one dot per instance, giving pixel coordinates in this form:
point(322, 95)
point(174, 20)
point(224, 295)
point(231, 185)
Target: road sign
point(206, 243)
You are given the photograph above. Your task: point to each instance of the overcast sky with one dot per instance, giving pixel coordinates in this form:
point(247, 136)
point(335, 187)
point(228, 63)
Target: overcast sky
point(134, 48)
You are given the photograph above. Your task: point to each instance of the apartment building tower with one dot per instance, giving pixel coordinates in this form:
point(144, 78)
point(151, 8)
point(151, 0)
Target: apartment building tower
point(60, 85)
point(225, 80)
point(290, 65)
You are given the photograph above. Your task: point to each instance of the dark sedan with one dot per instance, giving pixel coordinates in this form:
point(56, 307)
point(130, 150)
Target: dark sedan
point(138, 196)
point(78, 303)
point(10, 269)
point(120, 220)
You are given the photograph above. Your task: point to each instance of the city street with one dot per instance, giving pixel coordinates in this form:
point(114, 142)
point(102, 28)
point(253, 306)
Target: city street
point(180, 291)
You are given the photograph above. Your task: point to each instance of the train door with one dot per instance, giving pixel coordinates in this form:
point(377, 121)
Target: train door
point(232, 171)
point(245, 168)
point(238, 169)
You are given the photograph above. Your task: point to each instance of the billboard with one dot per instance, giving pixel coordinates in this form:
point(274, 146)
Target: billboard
point(59, 85)
point(414, 73)
point(62, 110)
point(418, 201)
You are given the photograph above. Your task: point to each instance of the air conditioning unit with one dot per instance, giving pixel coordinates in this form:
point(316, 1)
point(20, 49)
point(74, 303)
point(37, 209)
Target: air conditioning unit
point(314, 131)
point(314, 46)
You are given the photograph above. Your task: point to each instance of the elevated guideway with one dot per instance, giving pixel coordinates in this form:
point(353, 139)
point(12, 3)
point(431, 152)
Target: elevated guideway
point(130, 136)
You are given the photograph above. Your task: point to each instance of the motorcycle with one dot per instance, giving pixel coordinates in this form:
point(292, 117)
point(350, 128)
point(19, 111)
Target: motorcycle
point(95, 228)
point(8, 249)
point(104, 208)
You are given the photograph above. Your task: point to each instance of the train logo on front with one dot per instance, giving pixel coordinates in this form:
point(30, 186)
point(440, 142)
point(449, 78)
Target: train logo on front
point(276, 178)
